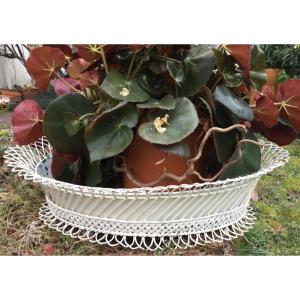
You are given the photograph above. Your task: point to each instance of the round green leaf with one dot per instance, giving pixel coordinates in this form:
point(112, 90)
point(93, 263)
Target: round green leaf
point(93, 174)
point(238, 107)
point(118, 87)
point(249, 162)
point(167, 102)
point(181, 149)
point(176, 71)
point(112, 134)
point(198, 66)
point(54, 122)
point(257, 67)
point(71, 123)
point(150, 82)
point(182, 121)
point(226, 66)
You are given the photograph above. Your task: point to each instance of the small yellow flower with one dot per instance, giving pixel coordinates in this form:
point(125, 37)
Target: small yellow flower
point(159, 122)
point(124, 92)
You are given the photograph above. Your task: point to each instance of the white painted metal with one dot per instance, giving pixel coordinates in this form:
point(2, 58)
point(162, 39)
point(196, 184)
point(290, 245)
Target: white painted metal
point(147, 218)
point(12, 72)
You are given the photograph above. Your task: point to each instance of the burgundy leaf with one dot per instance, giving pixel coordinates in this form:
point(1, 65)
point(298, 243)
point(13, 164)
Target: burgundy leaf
point(67, 51)
point(89, 78)
point(241, 54)
point(76, 67)
point(43, 63)
point(27, 122)
point(61, 87)
point(288, 93)
point(280, 133)
point(266, 112)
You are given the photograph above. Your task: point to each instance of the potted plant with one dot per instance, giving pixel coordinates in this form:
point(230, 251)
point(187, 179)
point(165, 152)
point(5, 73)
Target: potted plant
point(145, 116)
point(281, 57)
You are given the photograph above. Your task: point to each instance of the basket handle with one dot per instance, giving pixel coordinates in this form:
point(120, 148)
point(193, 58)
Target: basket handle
point(22, 160)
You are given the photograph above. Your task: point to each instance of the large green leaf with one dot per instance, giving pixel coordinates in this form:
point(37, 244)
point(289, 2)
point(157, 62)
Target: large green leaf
point(150, 82)
point(224, 142)
point(181, 149)
point(94, 175)
point(112, 134)
point(238, 107)
point(72, 123)
point(118, 87)
point(226, 66)
point(167, 102)
point(182, 121)
point(249, 162)
point(198, 66)
point(257, 67)
point(176, 71)
point(252, 60)
point(45, 98)
point(54, 125)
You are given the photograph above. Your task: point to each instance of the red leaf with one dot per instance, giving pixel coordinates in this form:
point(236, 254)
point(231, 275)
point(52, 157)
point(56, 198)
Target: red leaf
point(61, 87)
point(43, 63)
point(89, 52)
point(77, 179)
point(93, 52)
point(67, 51)
point(241, 54)
point(288, 93)
point(89, 78)
point(27, 122)
point(58, 163)
point(60, 160)
point(266, 90)
point(76, 67)
point(241, 90)
point(165, 50)
point(70, 158)
point(280, 133)
point(266, 112)
point(137, 47)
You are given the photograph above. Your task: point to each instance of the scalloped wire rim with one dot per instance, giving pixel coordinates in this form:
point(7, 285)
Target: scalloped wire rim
point(147, 218)
point(149, 243)
point(273, 157)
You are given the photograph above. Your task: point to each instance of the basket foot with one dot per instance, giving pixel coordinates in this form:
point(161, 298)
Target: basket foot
point(148, 243)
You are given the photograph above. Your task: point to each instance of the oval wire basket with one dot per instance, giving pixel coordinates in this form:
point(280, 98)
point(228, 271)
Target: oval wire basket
point(148, 218)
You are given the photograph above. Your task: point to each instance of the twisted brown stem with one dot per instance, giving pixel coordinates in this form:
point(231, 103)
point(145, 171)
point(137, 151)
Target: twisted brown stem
point(191, 162)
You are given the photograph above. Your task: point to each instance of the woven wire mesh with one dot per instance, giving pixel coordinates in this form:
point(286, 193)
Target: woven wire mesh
point(148, 218)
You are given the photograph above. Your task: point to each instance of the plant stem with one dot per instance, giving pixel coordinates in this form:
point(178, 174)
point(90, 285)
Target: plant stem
point(275, 103)
point(130, 66)
point(67, 83)
point(86, 115)
point(168, 58)
point(104, 60)
point(176, 90)
point(139, 65)
point(217, 82)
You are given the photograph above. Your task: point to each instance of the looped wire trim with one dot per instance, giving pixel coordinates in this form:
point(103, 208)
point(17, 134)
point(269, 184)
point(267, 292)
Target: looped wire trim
point(149, 243)
point(147, 218)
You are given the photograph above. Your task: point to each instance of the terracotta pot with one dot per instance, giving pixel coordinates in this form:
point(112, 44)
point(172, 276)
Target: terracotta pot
point(272, 78)
point(12, 94)
point(147, 163)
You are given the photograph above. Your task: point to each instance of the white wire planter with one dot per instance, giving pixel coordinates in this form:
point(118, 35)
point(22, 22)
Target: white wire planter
point(144, 218)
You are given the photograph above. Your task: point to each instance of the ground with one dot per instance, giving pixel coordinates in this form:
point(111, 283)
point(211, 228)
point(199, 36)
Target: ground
point(277, 230)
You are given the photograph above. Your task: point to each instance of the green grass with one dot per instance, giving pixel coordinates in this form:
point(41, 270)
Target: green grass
point(277, 230)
